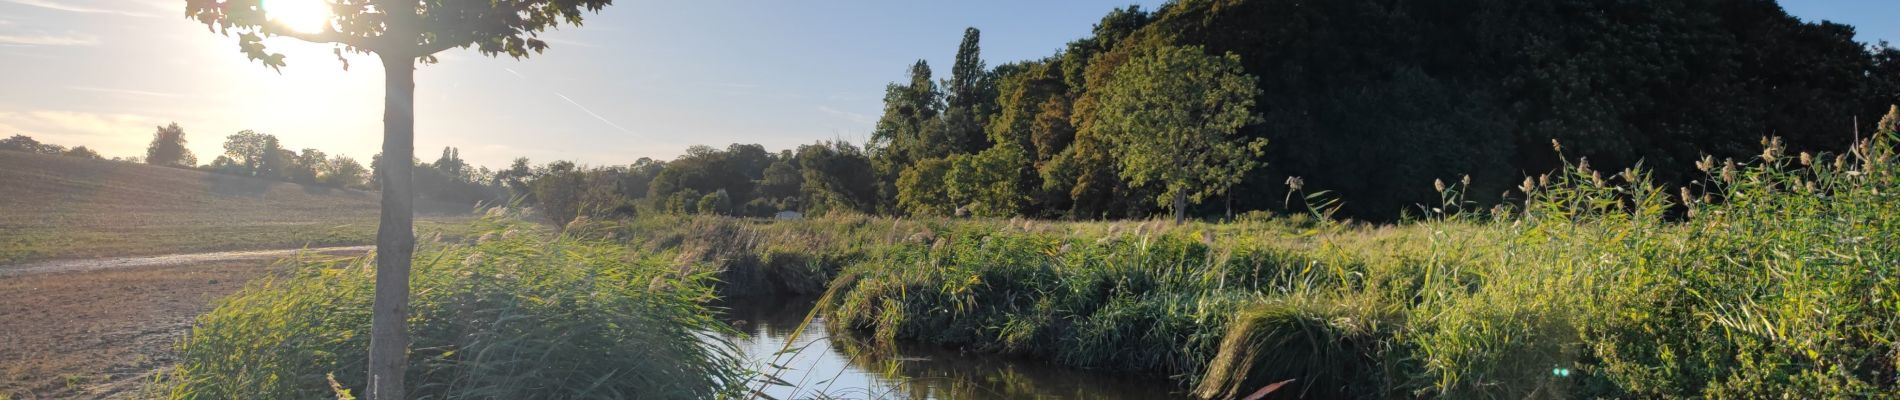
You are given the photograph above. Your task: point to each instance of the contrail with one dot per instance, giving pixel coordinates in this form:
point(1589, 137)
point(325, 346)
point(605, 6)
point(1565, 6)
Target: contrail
point(576, 104)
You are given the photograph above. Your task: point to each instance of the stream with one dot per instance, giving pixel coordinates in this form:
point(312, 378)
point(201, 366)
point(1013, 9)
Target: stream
point(820, 364)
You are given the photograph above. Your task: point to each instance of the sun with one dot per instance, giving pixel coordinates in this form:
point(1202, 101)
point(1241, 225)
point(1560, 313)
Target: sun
point(307, 16)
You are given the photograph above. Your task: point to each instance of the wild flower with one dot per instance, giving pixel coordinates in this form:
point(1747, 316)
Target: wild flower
point(1294, 183)
point(1439, 185)
point(1771, 148)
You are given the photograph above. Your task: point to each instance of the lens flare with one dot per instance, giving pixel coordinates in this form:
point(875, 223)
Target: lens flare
point(307, 16)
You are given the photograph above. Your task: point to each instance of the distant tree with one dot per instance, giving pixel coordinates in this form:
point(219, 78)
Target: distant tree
point(971, 96)
point(988, 184)
point(451, 163)
point(516, 177)
point(1171, 114)
point(344, 172)
point(83, 152)
point(247, 149)
point(781, 180)
point(168, 148)
point(274, 163)
point(715, 203)
point(20, 143)
point(307, 167)
point(837, 177)
point(923, 189)
point(907, 132)
point(558, 190)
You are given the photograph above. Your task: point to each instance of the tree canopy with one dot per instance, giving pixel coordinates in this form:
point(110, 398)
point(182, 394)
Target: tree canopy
point(1170, 119)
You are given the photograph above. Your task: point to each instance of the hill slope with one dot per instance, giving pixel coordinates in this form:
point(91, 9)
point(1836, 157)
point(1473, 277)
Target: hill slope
point(66, 207)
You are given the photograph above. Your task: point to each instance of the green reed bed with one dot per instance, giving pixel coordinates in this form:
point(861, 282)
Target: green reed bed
point(520, 313)
point(1769, 277)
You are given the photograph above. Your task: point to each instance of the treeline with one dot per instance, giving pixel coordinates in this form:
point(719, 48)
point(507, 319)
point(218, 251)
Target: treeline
point(1215, 107)
point(253, 154)
point(27, 144)
point(1373, 101)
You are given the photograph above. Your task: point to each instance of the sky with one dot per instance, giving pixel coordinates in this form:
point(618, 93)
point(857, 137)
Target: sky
point(639, 79)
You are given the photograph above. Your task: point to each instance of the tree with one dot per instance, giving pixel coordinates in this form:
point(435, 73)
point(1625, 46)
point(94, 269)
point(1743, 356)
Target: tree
point(168, 148)
point(988, 184)
point(558, 191)
point(971, 96)
point(20, 143)
point(274, 162)
point(909, 131)
point(308, 166)
point(451, 163)
point(922, 189)
point(343, 172)
point(82, 152)
point(400, 33)
point(246, 150)
point(1171, 114)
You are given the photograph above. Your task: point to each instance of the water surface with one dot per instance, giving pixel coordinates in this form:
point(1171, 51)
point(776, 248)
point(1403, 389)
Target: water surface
point(824, 365)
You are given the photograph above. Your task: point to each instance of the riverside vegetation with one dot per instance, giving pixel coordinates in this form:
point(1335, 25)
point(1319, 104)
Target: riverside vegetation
point(1769, 277)
point(518, 313)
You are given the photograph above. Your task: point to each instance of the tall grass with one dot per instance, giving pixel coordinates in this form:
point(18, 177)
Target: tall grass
point(519, 314)
point(1769, 277)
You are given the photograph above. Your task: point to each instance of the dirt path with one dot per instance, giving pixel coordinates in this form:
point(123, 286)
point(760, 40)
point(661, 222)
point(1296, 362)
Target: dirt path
point(165, 260)
point(101, 328)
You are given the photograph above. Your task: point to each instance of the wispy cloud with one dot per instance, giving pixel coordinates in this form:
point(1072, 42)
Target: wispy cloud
point(106, 132)
point(79, 8)
point(855, 118)
point(47, 40)
point(132, 92)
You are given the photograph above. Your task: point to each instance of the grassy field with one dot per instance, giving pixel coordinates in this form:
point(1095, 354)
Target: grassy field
point(1772, 277)
point(67, 207)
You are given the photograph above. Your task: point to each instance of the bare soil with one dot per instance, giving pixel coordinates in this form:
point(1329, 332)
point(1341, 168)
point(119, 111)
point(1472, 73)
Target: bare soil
point(102, 328)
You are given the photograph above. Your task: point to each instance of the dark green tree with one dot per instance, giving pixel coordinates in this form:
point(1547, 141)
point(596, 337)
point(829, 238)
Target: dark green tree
point(168, 148)
point(970, 99)
point(1171, 115)
point(82, 152)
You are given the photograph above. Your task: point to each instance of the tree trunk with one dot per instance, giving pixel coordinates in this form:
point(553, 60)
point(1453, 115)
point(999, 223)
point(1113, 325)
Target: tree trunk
point(1180, 206)
point(395, 236)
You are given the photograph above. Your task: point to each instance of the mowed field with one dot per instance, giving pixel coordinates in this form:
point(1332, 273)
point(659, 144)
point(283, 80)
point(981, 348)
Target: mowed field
point(54, 207)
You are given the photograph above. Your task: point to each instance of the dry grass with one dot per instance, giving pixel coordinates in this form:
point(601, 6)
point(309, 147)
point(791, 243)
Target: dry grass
point(65, 207)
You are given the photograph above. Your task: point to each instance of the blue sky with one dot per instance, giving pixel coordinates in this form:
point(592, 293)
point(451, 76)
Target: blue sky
point(641, 79)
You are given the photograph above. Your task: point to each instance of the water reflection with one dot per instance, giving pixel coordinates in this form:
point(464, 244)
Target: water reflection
point(821, 365)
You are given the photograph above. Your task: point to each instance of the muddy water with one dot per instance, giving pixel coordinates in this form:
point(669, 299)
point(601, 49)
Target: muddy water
point(828, 365)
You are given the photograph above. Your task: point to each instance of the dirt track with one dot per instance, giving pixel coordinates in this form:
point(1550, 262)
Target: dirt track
point(165, 260)
point(100, 328)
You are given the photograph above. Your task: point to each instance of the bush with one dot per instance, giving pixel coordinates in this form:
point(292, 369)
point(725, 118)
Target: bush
point(516, 315)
